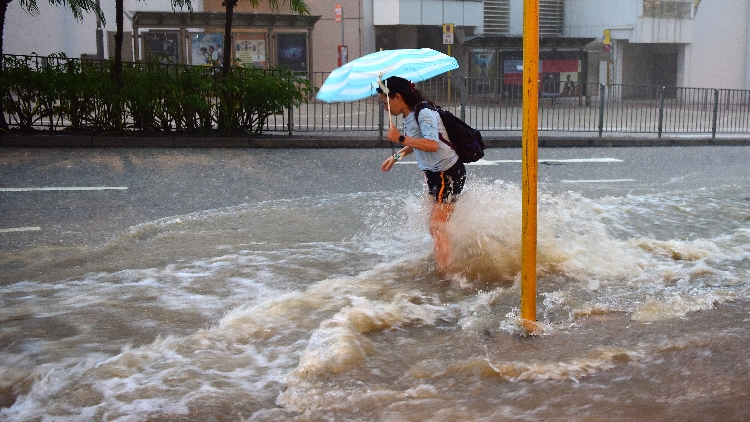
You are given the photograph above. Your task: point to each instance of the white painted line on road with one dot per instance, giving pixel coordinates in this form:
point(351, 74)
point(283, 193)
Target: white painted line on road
point(65, 188)
point(600, 181)
point(20, 229)
point(584, 160)
point(483, 162)
point(543, 160)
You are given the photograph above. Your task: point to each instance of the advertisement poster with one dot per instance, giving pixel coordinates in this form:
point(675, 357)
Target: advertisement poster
point(557, 77)
point(206, 48)
point(569, 84)
point(483, 71)
point(292, 51)
point(162, 47)
point(512, 72)
point(250, 48)
point(483, 64)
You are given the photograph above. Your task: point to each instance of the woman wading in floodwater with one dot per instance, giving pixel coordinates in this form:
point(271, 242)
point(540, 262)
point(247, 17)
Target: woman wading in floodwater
point(444, 172)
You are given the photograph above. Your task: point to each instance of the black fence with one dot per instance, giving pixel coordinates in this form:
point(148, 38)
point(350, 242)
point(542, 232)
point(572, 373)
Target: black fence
point(490, 105)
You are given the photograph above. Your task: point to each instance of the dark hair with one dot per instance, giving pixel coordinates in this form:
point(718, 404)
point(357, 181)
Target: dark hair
point(398, 85)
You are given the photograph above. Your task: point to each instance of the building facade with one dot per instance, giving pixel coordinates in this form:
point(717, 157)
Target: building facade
point(693, 43)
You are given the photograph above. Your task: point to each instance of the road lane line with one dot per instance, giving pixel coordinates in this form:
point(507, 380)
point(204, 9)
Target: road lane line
point(20, 229)
point(64, 188)
point(483, 162)
point(544, 160)
point(600, 181)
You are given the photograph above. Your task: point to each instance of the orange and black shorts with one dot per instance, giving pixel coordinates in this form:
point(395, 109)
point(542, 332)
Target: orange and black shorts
point(444, 186)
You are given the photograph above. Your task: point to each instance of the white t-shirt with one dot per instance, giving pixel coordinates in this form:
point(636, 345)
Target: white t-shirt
point(430, 125)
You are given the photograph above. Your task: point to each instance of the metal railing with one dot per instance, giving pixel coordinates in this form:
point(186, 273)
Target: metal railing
point(494, 107)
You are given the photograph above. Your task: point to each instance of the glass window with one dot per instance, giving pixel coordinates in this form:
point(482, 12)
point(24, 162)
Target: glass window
point(667, 9)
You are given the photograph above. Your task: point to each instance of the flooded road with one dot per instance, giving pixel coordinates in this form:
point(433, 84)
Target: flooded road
point(276, 285)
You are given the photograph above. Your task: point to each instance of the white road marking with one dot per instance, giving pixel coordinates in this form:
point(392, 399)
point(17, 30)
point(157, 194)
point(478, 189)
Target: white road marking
point(600, 181)
point(483, 162)
point(65, 188)
point(543, 160)
point(585, 160)
point(20, 229)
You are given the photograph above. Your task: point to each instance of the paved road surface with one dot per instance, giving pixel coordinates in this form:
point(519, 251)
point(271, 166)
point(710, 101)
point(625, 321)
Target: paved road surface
point(91, 194)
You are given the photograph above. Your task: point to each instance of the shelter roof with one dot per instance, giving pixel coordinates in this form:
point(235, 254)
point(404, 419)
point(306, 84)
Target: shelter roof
point(483, 41)
point(203, 19)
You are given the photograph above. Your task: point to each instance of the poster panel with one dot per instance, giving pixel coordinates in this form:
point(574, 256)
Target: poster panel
point(482, 70)
point(206, 48)
point(250, 48)
point(513, 72)
point(483, 64)
point(161, 47)
point(292, 51)
point(570, 85)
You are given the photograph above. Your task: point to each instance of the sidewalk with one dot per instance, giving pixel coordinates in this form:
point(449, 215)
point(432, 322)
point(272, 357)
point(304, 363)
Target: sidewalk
point(354, 139)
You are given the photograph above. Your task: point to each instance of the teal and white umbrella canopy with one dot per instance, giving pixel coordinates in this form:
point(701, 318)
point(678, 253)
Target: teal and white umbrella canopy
point(358, 79)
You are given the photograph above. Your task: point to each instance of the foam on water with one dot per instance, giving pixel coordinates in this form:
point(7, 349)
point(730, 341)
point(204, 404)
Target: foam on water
point(313, 311)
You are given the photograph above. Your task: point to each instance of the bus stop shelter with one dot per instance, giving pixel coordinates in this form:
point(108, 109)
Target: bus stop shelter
point(262, 39)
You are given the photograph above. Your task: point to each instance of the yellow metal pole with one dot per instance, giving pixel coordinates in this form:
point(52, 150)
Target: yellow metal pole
point(530, 161)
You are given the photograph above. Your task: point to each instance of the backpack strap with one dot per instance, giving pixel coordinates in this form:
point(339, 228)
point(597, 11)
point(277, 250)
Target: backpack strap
point(425, 104)
point(418, 108)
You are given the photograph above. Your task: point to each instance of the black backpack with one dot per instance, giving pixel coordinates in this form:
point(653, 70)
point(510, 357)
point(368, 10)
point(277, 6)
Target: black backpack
point(464, 139)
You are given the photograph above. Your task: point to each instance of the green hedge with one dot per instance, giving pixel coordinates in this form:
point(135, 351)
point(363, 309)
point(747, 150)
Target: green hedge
point(55, 93)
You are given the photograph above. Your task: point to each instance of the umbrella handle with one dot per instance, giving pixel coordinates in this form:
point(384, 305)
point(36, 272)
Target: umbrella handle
point(386, 91)
point(390, 116)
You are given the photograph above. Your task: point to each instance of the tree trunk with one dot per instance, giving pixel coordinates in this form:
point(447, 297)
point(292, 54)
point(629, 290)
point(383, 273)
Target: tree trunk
point(227, 61)
point(3, 8)
point(118, 39)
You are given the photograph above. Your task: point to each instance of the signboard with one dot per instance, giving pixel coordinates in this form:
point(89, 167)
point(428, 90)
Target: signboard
point(337, 13)
point(607, 41)
point(292, 51)
point(343, 55)
point(162, 47)
point(206, 49)
point(250, 48)
point(448, 33)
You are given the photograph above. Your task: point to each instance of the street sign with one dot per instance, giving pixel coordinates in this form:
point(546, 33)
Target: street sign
point(343, 55)
point(337, 13)
point(448, 33)
point(607, 40)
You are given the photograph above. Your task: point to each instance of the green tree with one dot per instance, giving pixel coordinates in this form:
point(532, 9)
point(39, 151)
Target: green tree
point(297, 6)
point(75, 6)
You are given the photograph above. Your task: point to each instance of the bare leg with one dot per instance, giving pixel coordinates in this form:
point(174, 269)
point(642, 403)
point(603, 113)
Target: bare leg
point(438, 221)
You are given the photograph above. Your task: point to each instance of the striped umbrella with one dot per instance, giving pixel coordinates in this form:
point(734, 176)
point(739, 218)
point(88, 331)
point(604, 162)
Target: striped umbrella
point(358, 79)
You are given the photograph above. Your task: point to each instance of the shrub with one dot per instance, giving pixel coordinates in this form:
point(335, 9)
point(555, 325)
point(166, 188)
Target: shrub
point(149, 97)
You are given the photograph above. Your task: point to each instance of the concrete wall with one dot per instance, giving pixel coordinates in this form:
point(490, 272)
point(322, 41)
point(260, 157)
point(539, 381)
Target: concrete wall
point(586, 18)
point(717, 57)
point(428, 12)
point(715, 53)
point(713, 49)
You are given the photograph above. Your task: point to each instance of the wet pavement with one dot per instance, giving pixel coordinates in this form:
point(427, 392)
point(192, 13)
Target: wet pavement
point(145, 184)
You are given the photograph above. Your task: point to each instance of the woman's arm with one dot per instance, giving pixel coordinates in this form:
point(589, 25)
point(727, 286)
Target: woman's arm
point(423, 144)
point(390, 161)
